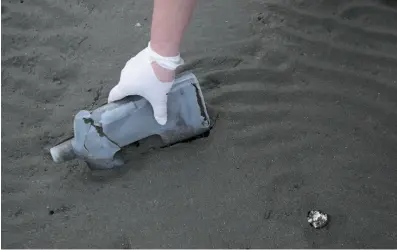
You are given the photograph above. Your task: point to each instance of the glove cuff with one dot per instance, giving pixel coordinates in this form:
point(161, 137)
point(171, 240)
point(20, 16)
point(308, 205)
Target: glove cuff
point(170, 63)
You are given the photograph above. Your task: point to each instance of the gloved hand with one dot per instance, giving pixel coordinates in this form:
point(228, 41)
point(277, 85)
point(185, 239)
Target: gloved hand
point(138, 77)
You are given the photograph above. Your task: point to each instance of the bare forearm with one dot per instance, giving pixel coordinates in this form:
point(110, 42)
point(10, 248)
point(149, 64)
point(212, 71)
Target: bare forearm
point(169, 22)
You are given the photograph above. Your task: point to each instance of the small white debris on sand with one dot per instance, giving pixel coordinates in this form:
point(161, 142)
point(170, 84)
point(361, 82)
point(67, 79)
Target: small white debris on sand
point(317, 219)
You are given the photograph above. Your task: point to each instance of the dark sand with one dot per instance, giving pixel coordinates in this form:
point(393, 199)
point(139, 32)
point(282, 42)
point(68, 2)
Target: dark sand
point(306, 93)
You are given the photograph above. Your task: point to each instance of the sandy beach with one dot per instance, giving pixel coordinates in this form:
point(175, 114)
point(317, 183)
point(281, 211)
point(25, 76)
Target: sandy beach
point(306, 98)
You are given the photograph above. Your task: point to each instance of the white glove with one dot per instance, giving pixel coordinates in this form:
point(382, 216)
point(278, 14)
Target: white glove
point(138, 78)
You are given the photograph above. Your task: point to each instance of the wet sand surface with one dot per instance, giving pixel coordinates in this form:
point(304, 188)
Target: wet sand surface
point(306, 98)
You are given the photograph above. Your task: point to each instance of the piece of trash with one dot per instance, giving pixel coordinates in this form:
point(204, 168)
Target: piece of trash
point(317, 219)
point(138, 25)
point(100, 135)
